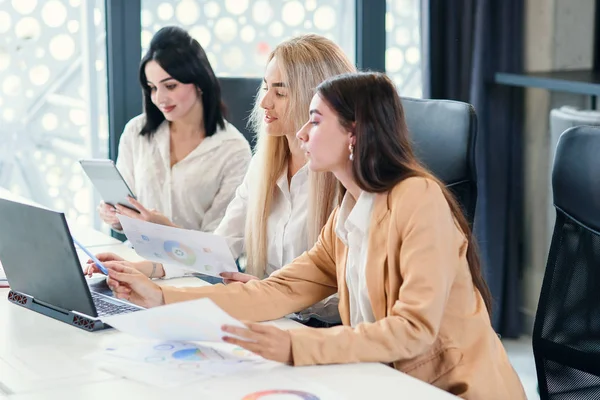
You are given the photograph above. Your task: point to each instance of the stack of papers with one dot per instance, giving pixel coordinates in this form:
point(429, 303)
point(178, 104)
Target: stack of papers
point(171, 358)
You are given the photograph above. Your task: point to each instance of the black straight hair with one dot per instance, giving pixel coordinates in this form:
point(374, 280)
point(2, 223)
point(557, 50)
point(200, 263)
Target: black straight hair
point(182, 57)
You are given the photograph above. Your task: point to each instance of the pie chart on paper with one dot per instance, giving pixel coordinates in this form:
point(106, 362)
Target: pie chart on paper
point(190, 354)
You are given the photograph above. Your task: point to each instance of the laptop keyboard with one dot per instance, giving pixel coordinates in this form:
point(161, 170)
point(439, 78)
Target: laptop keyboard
point(105, 307)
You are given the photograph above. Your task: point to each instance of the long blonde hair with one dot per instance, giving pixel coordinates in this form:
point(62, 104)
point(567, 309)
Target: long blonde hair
point(304, 62)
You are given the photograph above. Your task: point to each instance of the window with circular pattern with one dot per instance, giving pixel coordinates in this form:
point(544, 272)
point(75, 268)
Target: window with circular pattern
point(238, 35)
point(53, 101)
point(403, 46)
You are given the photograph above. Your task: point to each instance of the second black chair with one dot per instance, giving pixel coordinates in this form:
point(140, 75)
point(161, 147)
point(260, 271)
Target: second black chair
point(566, 335)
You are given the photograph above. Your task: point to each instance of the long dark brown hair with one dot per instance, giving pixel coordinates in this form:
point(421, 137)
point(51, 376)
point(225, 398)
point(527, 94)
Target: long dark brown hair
point(368, 104)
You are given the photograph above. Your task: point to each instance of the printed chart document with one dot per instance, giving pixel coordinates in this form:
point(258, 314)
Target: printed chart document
point(203, 252)
point(172, 364)
point(197, 320)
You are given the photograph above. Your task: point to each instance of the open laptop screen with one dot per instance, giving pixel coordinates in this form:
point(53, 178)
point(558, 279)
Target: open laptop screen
point(39, 259)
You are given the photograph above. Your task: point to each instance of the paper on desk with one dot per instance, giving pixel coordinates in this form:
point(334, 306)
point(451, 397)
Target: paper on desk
point(171, 364)
point(203, 252)
point(199, 320)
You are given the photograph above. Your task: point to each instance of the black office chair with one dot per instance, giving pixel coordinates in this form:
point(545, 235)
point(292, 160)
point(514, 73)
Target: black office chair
point(238, 95)
point(566, 334)
point(443, 134)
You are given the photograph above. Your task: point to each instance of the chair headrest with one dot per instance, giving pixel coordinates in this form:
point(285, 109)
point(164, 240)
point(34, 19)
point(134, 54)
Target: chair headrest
point(443, 134)
point(576, 175)
point(238, 95)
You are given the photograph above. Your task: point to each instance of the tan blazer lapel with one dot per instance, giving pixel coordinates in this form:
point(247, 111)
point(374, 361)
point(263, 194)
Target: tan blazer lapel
point(344, 302)
point(377, 255)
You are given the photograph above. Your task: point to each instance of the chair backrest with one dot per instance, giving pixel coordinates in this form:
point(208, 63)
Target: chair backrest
point(566, 334)
point(562, 119)
point(238, 95)
point(443, 134)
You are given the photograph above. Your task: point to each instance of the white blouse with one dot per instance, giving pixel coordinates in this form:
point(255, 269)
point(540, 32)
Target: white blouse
point(196, 191)
point(352, 228)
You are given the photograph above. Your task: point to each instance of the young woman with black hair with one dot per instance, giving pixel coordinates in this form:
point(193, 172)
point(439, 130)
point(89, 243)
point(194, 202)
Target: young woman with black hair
point(181, 158)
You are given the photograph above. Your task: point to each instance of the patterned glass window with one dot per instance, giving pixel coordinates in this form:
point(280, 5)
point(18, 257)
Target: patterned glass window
point(53, 101)
point(239, 34)
point(403, 53)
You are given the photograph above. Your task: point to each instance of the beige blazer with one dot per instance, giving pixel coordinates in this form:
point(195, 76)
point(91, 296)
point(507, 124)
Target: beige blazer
point(431, 321)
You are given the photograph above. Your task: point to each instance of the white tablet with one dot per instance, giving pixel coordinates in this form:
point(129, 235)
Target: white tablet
point(108, 181)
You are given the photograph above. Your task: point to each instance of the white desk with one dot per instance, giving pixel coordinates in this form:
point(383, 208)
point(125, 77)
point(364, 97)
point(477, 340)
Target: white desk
point(41, 358)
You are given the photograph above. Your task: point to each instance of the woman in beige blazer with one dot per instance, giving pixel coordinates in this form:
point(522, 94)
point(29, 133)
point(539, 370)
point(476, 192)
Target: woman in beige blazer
point(397, 250)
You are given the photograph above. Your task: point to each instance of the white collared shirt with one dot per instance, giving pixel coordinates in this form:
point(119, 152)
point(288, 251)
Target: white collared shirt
point(352, 228)
point(286, 224)
point(196, 191)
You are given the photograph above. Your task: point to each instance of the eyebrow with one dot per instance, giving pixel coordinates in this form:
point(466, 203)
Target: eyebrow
point(314, 111)
point(276, 84)
point(164, 80)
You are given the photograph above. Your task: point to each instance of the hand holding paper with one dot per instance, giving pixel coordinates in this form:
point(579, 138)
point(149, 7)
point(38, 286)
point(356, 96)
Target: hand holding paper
point(203, 252)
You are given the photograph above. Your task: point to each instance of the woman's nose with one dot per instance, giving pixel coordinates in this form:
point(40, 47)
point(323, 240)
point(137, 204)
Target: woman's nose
point(301, 134)
point(160, 96)
point(266, 102)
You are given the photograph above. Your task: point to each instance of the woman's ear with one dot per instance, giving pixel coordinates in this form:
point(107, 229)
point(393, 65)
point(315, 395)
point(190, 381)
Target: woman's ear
point(352, 134)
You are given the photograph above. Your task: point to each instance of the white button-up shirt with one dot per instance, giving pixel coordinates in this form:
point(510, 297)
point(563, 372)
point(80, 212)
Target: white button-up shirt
point(352, 228)
point(286, 223)
point(196, 191)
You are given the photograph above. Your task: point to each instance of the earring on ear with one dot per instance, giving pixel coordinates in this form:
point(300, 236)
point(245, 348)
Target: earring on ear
point(351, 148)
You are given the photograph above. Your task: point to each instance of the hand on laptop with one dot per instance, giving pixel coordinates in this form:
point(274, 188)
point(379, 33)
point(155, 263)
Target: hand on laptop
point(230, 277)
point(129, 284)
point(145, 214)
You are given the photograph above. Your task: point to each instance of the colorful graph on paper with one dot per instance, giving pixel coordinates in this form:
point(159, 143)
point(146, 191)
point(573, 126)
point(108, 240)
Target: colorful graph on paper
point(183, 355)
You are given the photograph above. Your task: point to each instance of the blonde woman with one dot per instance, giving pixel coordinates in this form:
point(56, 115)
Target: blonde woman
point(281, 206)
